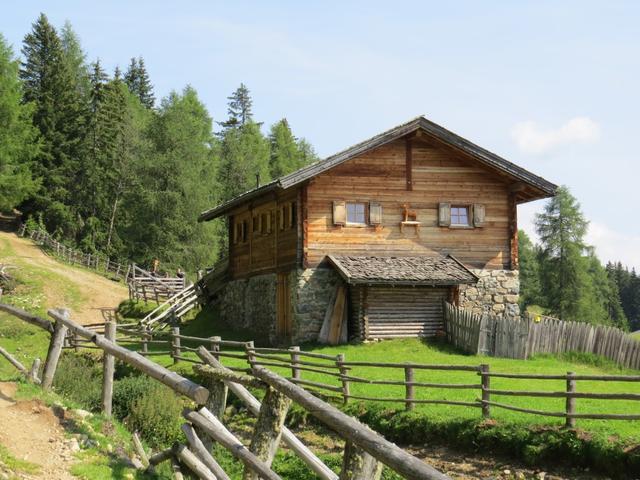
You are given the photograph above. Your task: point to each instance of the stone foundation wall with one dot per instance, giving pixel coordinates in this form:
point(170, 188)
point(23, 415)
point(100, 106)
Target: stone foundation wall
point(311, 289)
point(250, 304)
point(497, 292)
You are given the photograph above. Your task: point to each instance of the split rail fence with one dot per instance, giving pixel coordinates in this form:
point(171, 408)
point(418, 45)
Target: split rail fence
point(334, 378)
point(365, 451)
point(522, 338)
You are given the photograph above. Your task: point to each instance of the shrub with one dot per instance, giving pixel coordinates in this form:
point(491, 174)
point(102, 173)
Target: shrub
point(79, 378)
point(135, 308)
point(126, 391)
point(157, 415)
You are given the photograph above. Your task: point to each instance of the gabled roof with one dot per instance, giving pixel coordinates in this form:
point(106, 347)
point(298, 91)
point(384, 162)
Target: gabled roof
point(428, 270)
point(519, 174)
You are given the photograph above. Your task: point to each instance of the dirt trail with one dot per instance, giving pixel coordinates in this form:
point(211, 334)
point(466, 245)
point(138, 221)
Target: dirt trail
point(97, 292)
point(31, 432)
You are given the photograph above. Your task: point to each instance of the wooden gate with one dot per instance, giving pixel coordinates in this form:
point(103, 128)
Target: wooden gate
point(283, 307)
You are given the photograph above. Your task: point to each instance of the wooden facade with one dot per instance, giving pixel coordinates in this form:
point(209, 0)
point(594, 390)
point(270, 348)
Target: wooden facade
point(414, 191)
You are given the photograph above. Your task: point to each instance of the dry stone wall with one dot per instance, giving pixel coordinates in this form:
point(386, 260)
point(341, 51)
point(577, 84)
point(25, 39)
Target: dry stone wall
point(497, 292)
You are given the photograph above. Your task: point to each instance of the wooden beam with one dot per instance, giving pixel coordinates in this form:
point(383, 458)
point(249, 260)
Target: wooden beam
point(198, 468)
point(409, 164)
point(55, 348)
point(359, 465)
point(352, 430)
point(182, 385)
point(27, 317)
point(197, 446)
point(513, 233)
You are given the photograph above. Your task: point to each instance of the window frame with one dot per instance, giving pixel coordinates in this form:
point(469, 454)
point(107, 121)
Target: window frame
point(469, 215)
point(349, 223)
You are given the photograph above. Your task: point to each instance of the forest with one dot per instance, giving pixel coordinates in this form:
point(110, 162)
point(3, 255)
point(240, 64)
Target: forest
point(95, 159)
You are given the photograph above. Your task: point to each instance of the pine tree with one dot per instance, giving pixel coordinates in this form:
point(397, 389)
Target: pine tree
point(75, 59)
point(58, 114)
point(137, 79)
point(239, 108)
point(18, 138)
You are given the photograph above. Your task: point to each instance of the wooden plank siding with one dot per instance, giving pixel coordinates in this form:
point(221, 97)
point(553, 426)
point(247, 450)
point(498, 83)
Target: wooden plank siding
point(437, 175)
point(266, 249)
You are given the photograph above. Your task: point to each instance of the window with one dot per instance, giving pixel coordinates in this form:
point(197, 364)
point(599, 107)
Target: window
point(245, 229)
point(293, 217)
point(356, 213)
point(460, 216)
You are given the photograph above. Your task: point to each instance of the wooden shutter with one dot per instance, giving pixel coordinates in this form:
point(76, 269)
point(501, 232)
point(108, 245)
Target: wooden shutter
point(478, 215)
point(375, 213)
point(339, 212)
point(444, 214)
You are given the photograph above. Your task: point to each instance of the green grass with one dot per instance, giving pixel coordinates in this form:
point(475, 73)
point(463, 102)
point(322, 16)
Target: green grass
point(433, 352)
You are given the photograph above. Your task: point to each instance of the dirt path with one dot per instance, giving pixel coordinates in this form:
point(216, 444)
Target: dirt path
point(31, 432)
point(97, 292)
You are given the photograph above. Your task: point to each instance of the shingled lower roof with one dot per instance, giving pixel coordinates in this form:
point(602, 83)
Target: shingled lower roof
point(432, 270)
point(485, 157)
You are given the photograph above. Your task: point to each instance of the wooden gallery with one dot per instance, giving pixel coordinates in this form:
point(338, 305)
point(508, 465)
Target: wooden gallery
point(369, 242)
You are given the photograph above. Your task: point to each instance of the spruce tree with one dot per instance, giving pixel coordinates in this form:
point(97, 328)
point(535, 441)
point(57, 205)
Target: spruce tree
point(18, 138)
point(239, 108)
point(75, 59)
point(137, 80)
point(58, 114)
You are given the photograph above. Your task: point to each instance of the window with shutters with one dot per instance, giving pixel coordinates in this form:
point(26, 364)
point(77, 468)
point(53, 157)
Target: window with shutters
point(460, 216)
point(356, 213)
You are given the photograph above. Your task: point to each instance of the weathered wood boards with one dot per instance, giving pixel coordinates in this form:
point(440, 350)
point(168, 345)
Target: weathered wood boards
point(522, 338)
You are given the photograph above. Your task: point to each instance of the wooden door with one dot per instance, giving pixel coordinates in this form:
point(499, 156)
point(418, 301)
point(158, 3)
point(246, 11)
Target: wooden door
point(283, 307)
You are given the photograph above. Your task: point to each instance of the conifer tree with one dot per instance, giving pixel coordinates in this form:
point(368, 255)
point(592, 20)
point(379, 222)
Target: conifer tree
point(137, 79)
point(75, 58)
point(239, 108)
point(285, 156)
point(18, 138)
point(58, 114)
point(529, 272)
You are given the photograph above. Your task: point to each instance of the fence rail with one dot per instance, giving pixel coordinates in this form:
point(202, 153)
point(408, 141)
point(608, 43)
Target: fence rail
point(364, 453)
point(521, 338)
point(334, 377)
point(99, 262)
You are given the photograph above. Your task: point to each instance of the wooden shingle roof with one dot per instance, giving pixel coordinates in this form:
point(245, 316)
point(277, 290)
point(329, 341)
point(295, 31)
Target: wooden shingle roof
point(432, 270)
point(491, 160)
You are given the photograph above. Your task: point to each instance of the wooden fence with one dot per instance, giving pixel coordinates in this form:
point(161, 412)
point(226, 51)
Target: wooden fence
point(144, 285)
point(101, 263)
point(364, 454)
point(521, 338)
point(334, 377)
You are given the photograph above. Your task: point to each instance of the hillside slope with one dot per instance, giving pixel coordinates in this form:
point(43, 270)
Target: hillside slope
point(83, 292)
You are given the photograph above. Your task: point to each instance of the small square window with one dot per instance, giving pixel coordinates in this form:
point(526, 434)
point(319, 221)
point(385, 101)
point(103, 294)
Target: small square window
point(356, 213)
point(460, 216)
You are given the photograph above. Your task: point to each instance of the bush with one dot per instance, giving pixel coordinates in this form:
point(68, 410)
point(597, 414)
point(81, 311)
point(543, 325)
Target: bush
point(157, 415)
point(135, 308)
point(79, 378)
point(126, 391)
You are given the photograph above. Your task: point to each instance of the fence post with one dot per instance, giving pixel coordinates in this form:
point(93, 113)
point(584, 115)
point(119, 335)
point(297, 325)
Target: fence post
point(215, 347)
point(53, 354)
point(571, 401)
point(34, 372)
point(408, 378)
point(485, 382)
point(108, 364)
point(145, 340)
point(175, 344)
point(249, 349)
point(295, 357)
point(344, 371)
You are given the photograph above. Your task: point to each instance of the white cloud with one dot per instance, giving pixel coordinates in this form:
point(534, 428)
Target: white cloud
point(530, 138)
point(614, 246)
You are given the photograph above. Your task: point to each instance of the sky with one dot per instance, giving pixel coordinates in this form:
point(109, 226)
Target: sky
point(549, 85)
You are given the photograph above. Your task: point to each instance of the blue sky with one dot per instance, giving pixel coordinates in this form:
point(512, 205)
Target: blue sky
point(552, 86)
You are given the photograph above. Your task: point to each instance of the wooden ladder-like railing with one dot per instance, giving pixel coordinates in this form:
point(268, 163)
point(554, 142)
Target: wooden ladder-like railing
point(173, 308)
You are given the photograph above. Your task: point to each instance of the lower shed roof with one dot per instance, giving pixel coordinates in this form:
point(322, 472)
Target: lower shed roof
point(427, 270)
